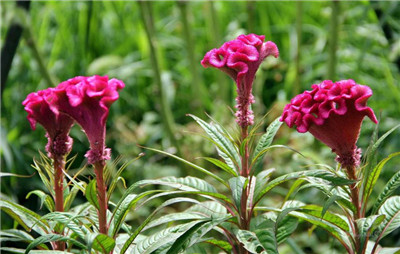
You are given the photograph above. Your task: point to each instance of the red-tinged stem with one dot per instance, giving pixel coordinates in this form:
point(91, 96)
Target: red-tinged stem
point(102, 196)
point(59, 164)
point(355, 199)
point(244, 217)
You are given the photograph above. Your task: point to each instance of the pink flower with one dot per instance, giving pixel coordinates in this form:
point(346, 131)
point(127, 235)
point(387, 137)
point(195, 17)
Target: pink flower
point(57, 125)
point(240, 59)
point(87, 101)
point(333, 113)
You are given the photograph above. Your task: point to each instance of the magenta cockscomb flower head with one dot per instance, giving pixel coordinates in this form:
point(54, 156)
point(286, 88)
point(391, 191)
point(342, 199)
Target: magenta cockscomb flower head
point(333, 113)
point(240, 59)
point(87, 101)
point(57, 125)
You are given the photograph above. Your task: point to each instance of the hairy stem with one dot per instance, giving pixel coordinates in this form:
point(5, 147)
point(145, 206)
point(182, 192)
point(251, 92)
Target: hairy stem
point(102, 196)
point(59, 164)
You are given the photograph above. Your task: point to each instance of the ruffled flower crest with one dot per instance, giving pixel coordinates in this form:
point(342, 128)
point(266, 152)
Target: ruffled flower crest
point(57, 125)
point(333, 113)
point(240, 59)
point(87, 101)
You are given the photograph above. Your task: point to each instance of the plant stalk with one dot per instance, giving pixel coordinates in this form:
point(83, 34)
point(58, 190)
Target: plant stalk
point(59, 164)
point(334, 38)
point(101, 196)
point(244, 216)
point(198, 90)
point(355, 199)
point(29, 38)
point(299, 22)
point(166, 113)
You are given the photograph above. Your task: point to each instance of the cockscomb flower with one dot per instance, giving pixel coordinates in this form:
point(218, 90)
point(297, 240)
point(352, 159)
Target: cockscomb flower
point(333, 113)
point(240, 59)
point(87, 101)
point(57, 125)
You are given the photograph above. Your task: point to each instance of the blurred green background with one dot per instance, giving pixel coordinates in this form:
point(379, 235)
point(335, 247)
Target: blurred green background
point(317, 40)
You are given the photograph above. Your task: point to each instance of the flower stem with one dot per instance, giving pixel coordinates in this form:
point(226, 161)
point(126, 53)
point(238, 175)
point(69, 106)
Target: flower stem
point(59, 164)
point(244, 216)
point(102, 196)
point(355, 199)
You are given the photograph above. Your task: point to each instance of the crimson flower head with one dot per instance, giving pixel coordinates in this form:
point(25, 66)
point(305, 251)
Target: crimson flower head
point(87, 100)
point(333, 113)
point(57, 125)
point(240, 59)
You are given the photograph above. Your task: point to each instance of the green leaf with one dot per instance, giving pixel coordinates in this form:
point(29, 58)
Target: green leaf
point(135, 234)
point(205, 171)
point(237, 185)
point(224, 144)
point(261, 241)
point(266, 140)
point(388, 190)
point(52, 238)
point(15, 235)
point(335, 231)
point(322, 174)
point(91, 194)
point(15, 250)
point(188, 183)
point(100, 242)
point(44, 199)
point(181, 242)
point(123, 208)
point(71, 197)
point(391, 209)
point(221, 165)
point(366, 226)
point(3, 174)
point(374, 175)
point(25, 217)
point(70, 221)
point(285, 228)
point(158, 239)
point(318, 212)
point(223, 245)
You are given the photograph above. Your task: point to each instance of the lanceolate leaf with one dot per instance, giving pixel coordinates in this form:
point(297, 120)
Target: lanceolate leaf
point(205, 171)
point(25, 217)
point(237, 185)
point(91, 194)
point(266, 139)
point(44, 199)
point(391, 209)
point(100, 242)
point(161, 238)
point(374, 175)
point(68, 220)
point(366, 226)
point(317, 211)
point(221, 165)
point(188, 183)
point(181, 242)
point(224, 144)
point(15, 250)
point(389, 189)
point(322, 174)
point(52, 238)
point(261, 241)
point(334, 230)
